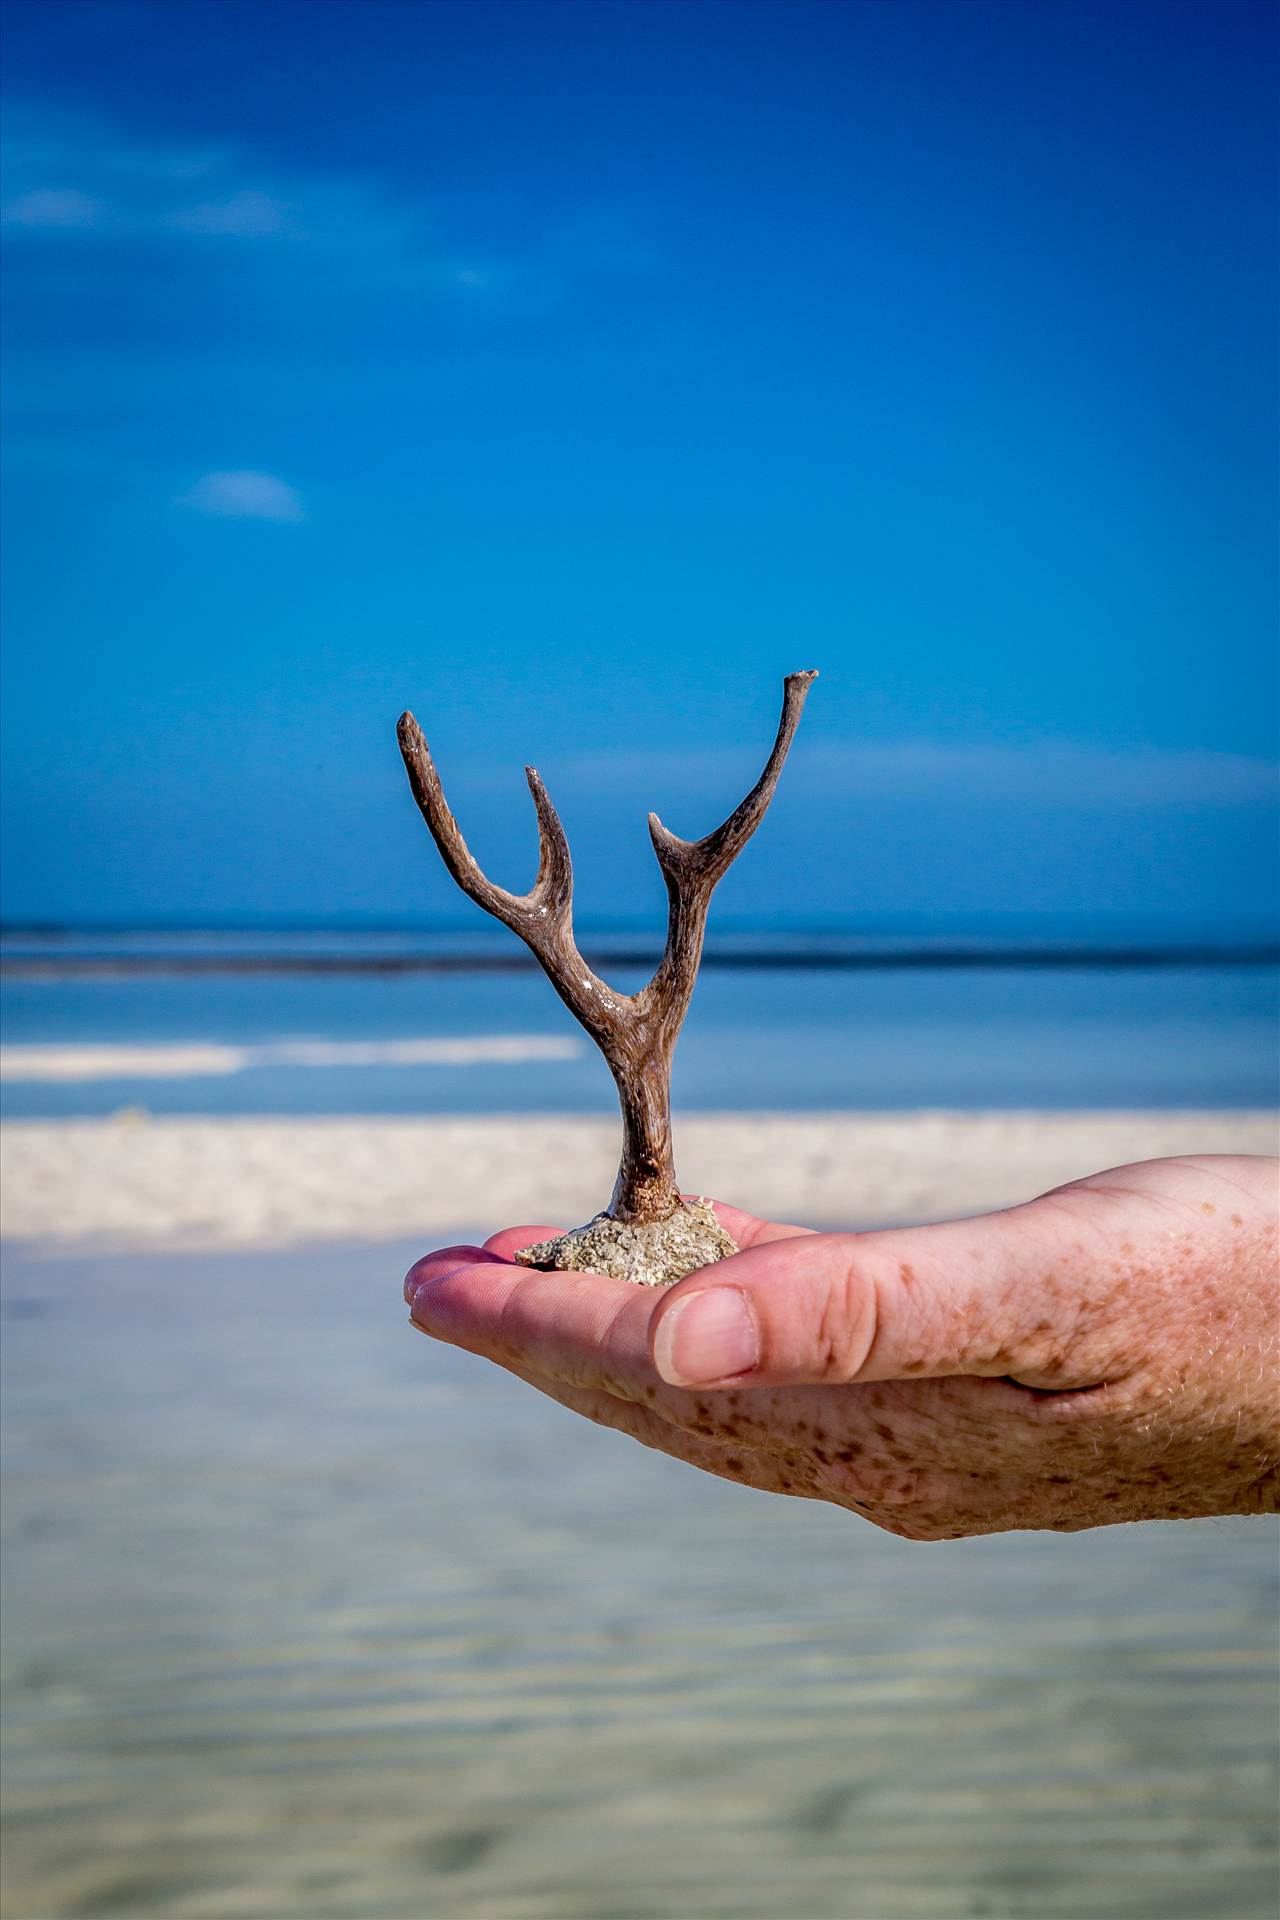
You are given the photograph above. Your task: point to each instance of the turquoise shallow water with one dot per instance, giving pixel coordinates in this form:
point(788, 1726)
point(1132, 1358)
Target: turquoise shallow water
point(1007, 1036)
point(306, 1616)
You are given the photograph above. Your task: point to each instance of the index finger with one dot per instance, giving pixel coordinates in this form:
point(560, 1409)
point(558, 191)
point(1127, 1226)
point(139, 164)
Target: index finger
point(587, 1330)
point(746, 1228)
point(509, 1241)
point(582, 1328)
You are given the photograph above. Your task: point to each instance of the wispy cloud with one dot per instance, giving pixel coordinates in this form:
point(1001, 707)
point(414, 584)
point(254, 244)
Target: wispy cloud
point(61, 167)
point(81, 177)
point(59, 208)
point(1047, 772)
point(245, 496)
point(208, 267)
point(1054, 769)
point(72, 174)
point(246, 213)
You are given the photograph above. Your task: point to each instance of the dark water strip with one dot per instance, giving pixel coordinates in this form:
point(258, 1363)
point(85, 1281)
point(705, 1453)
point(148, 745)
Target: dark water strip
point(49, 967)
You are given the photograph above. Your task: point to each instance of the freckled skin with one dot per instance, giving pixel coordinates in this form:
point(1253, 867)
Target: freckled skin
point(1086, 1359)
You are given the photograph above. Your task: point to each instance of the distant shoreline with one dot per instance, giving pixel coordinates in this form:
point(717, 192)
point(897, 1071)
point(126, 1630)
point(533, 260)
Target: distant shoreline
point(53, 966)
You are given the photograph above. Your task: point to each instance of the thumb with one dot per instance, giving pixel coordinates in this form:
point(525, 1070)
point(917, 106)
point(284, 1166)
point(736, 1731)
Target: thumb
point(964, 1298)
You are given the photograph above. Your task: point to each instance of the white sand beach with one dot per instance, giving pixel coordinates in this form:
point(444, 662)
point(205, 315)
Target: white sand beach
point(136, 1183)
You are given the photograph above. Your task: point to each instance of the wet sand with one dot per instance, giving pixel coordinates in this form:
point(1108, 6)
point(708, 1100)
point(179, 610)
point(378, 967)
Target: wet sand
point(309, 1617)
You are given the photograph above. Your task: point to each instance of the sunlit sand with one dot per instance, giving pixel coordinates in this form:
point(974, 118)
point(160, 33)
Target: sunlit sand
point(135, 1182)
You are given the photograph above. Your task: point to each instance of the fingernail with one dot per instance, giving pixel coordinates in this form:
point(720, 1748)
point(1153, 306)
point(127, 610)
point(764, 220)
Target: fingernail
point(707, 1336)
point(423, 1294)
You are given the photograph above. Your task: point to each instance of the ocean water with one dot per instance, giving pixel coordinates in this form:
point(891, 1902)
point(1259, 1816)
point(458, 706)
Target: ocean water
point(310, 1617)
point(381, 1023)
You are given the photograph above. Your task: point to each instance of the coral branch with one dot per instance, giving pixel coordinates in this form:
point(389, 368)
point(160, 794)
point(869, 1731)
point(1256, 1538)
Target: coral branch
point(635, 1032)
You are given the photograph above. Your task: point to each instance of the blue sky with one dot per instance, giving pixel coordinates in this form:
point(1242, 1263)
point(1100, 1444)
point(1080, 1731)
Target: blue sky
point(571, 372)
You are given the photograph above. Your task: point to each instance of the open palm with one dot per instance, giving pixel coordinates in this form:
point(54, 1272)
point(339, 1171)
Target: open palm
point(1104, 1353)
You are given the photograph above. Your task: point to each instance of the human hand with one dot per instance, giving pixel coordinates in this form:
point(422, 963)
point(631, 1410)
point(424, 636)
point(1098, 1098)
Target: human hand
point(1104, 1353)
